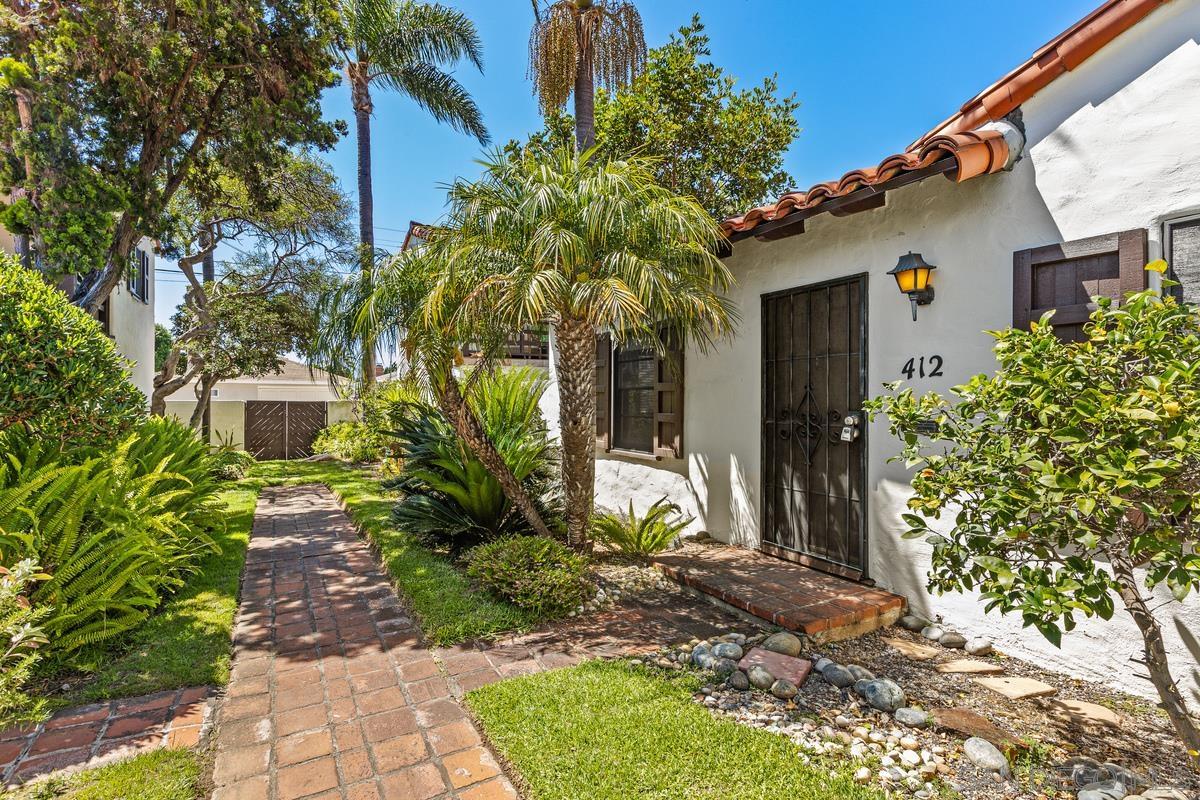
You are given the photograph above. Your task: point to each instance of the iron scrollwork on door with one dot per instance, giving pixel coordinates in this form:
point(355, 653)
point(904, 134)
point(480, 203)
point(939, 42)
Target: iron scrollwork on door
point(808, 426)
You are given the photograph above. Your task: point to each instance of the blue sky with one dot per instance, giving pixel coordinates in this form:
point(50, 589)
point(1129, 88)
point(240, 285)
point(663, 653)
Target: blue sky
point(871, 76)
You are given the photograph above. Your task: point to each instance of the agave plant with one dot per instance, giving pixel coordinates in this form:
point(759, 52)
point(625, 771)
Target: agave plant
point(642, 536)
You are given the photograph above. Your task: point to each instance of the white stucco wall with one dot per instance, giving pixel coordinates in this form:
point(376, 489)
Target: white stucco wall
point(1110, 147)
point(262, 389)
point(131, 324)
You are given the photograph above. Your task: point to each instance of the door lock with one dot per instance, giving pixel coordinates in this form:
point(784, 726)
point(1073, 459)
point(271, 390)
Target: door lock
point(850, 428)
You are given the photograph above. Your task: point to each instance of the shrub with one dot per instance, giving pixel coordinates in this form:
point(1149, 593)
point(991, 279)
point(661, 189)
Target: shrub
point(449, 496)
point(20, 637)
point(642, 536)
point(63, 378)
point(230, 462)
point(532, 572)
point(351, 441)
point(115, 530)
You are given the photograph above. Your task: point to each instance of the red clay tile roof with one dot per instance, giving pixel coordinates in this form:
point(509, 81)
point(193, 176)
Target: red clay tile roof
point(974, 152)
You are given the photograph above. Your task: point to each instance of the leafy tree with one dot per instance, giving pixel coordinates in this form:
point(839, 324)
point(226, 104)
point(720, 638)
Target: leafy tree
point(107, 110)
point(403, 46)
point(162, 344)
point(576, 44)
point(63, 379)
point(723, 146)
point(1053, 481)
point(586, 245)
point(303, 230)
point(250, 328)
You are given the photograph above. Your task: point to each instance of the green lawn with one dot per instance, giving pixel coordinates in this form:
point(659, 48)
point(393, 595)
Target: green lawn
point(608, 731)
point(187, 642)
point(160, 775)
point(449, 608)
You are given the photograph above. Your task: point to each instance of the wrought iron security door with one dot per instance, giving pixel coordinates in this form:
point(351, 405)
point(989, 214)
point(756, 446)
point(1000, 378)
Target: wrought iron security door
point(814, 380)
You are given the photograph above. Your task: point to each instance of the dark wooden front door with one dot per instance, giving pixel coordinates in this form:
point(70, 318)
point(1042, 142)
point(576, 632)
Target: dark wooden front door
point(814, 377)
point(282, 429)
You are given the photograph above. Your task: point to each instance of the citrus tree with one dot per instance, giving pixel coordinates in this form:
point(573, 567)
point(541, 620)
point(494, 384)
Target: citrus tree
point(1068, 481)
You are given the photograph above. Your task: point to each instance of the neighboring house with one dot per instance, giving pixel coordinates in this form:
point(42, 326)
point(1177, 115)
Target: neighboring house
point(128, 313)
point(1066, 177)
point(272, 416)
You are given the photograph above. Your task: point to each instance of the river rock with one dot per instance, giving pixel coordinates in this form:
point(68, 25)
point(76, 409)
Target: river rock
point(784, 689)
point(702, 655)
point(860, 687)
point(727, 650)
point(979, 646)
point(1104, 790)
point(860, 673)
point(912, 622)
point(953, 639)
point(783, 642)
point(884, 694)
point(838, 675)
point(724, 667)
point(760, 678)
point(1083, 770)
point(932, 632)
point(738, 680)
point(1131, 779)
point(985, 755)
point(1164, 793)
point(912, 717)
point(821, 664)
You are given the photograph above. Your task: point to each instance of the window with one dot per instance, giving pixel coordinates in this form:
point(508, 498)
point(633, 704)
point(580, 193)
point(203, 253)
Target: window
point(104, 316)
point(1181, 246)
point(216, 392)
point(139, 275)
point(639, 399)
point(633, 399)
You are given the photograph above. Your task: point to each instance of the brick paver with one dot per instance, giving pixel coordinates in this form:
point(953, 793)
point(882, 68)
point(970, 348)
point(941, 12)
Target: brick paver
point(92, 735)
point(786, 594)
point(333, 694)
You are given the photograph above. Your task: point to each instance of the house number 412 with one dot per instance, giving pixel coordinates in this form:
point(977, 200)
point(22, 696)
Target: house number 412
point(923, 367)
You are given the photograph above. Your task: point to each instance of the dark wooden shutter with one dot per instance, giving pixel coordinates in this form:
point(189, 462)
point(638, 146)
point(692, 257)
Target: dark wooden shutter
point(604, 391)
point(668, 404)
point(1065, 277)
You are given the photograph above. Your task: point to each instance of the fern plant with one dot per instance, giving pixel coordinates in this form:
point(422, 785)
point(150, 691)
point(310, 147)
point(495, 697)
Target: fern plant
point(115, 532)
point(641, 536)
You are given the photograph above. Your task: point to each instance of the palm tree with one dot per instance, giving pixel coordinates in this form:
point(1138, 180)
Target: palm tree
point(403, 47)
point(577, 43)
point(584, 245)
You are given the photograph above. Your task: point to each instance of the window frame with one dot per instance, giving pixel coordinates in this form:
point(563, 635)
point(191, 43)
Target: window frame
point(652, 357)
point(1168, 245)
point(139, 276)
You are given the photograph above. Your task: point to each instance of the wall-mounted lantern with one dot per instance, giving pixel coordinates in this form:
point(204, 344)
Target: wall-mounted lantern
point(912, 276)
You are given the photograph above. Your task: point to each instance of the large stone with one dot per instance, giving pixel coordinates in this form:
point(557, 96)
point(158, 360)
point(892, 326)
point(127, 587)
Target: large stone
point(760, 678)
point(912, 717)
point(739, 681)
point(979, 646)
point(884, 694)
point(860, 687)
point(1016, 688)
point(912, 622)
point(953, 639)
point(727, 650)
point(1131, 779)
point(787, 644)
point(932, 632)
point(1083, 770)
point(969, 666)
point(986, 755)
point(860, 672)
point(1083, 714)
point(838, 675)
point(793, 669)
point(1103, 790)
point(724, 667)
point(784, 689)
point(912, 650)
point(969, 723)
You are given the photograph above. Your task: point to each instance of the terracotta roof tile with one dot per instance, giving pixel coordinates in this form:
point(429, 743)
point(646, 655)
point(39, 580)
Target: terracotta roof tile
point(975, 152)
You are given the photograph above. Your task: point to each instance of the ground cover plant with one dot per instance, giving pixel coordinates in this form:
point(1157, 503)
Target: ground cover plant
point(159, 775)
point(646, 535)
point(448, 605)
point(610, 731)
point(1068, 479)
point(538, 574)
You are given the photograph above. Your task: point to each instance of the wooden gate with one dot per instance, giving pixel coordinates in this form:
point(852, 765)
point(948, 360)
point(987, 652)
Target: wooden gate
point(282, 429)
point(814, 463)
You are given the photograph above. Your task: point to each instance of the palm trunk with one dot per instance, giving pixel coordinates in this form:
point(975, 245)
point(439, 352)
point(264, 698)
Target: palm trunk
point(576, 368)
point(468, 428)
point(585, 103)
point(366, 202)
point(1156, 653)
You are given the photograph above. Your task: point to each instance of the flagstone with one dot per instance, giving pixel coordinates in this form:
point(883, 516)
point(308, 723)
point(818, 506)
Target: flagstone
point(1016, 688)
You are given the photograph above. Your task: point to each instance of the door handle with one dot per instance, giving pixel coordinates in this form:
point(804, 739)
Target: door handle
point(850, 428)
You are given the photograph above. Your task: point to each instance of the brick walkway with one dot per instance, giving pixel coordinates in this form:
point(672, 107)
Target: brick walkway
point(333, 695)
point(92, 735)
point(786, 594)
